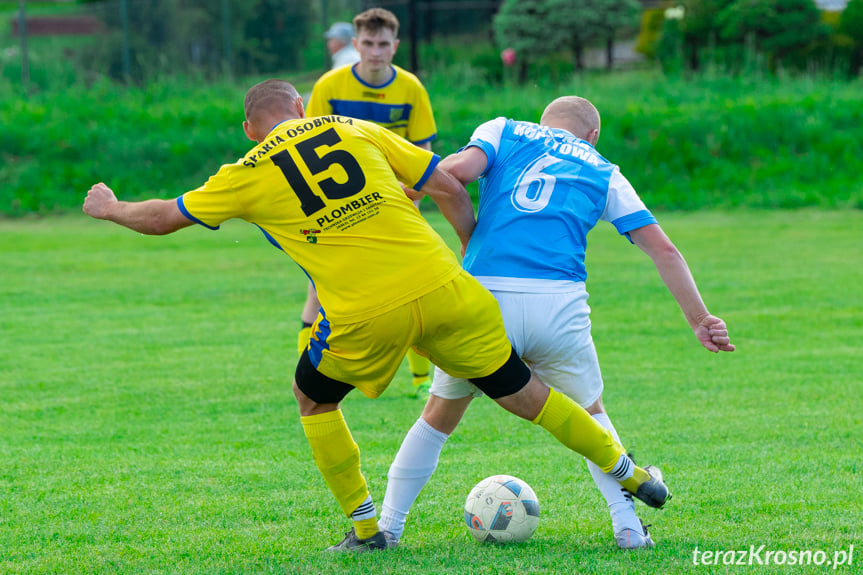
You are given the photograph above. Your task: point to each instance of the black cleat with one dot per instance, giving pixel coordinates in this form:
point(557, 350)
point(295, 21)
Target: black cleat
point(351, 543)
point(653, 492)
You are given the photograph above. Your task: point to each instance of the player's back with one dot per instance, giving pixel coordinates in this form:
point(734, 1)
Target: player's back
point(324, 191)
point(543, 191)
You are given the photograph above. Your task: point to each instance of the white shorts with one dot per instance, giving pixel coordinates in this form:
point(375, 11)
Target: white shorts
point(551, 333)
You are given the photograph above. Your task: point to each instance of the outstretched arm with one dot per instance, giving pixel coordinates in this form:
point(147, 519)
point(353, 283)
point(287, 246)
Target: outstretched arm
point(710, 330)
point(151, 217)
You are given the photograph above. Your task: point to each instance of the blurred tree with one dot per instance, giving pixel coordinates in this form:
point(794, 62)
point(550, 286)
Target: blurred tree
point(275, 33)
point(160, 36)
point(669, 48)
point(538, 28)
point(652, 22)
point(182, 36)
point(573, 25)
point(783, 29)
point(699, 27)
point(523, 26)
point(851, 26)
point(612, 16)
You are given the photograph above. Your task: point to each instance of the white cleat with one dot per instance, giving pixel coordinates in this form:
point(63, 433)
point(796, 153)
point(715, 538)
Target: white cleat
point(632, 539)
point(392, 542)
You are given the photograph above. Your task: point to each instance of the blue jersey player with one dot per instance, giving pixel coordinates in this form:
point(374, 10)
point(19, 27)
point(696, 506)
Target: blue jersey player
point(543, 187)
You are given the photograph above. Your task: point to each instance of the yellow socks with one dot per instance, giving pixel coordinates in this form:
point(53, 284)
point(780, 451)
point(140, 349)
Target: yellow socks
point(639, 476)
point(366, 528)
point(576, 429)
point(419, 366)
point(419, 371)
point(570, 424)
point(338, 458)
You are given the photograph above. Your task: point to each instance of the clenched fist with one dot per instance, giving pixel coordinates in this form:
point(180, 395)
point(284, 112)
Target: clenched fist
point(99, 201)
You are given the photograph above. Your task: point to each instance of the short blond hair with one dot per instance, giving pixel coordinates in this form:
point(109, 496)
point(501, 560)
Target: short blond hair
point(573, 113)
point(270, 96)
point(375, 19)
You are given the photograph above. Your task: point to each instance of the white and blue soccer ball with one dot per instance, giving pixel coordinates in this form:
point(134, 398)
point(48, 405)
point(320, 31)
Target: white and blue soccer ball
point(501, 509)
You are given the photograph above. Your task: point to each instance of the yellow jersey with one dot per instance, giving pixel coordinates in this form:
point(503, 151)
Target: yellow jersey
point(326, 191)
point(400, 105)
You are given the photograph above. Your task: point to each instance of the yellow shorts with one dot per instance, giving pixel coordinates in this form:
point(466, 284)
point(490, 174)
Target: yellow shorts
point(458, 327)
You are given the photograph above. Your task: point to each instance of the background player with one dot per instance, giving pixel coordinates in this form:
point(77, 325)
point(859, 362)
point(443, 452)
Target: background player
point(543, 188)
point(340, 44)
point(362, 224)
point(378, 91)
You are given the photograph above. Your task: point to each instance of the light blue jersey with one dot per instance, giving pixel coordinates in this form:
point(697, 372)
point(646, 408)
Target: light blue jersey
point(542, 191)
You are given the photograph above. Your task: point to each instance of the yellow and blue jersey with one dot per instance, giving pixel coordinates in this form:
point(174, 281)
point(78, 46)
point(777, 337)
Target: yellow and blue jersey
point(400, 105)
point(326, 191)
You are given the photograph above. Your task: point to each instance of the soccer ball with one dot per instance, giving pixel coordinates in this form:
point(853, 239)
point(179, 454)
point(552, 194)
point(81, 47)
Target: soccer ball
point(501, 509)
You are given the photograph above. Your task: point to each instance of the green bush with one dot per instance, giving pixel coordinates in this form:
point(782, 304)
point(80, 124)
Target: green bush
point(785, 30)
point(746, 36)
point(700, 28)
point(147, 142)
point(479, 57)
point(833, 53)
point(711, 142)
point(669, 49)
point(851, 27)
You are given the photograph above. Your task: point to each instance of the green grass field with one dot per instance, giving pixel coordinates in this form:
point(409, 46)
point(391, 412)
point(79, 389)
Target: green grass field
point(148, 424)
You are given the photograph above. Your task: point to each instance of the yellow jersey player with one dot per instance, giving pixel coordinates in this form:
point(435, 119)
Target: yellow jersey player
point(326, 191)
point(375, 90)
